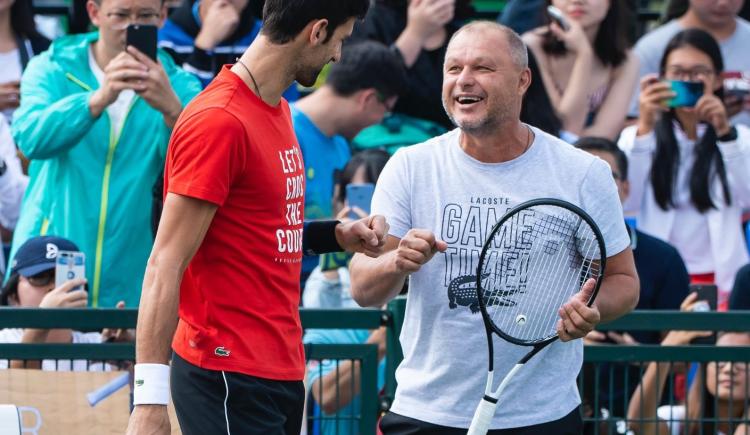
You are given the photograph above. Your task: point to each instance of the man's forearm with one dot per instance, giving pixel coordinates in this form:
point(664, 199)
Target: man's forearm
point(617, 296)
point(375, 281)
point(157, 314)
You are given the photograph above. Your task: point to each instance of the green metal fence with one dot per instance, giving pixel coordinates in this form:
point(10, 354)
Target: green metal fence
point(606, 369)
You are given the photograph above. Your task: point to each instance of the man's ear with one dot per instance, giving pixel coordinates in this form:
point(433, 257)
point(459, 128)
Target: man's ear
point(94, 12)
point(367, 96)
point(524, 81)
point(319, 31)
point(625, 189)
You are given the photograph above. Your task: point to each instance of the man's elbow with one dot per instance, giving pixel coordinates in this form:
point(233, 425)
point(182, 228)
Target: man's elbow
point(634, 293)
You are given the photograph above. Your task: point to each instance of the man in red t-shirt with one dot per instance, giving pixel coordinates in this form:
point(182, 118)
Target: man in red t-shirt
point(229, 247)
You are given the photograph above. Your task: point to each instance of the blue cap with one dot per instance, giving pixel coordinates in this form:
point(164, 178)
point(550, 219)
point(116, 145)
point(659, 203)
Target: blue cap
point(38, 254)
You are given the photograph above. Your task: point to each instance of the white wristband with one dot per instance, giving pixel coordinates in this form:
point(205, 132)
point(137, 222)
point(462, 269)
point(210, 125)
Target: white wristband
point(151, 384)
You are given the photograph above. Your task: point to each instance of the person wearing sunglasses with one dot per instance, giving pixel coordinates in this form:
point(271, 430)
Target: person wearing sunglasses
point(32, 285)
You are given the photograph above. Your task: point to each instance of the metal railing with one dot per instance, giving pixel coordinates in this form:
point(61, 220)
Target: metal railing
point(601, 358)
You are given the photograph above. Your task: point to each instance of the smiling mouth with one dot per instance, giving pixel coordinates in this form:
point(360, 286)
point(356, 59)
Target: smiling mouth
point(467, 101)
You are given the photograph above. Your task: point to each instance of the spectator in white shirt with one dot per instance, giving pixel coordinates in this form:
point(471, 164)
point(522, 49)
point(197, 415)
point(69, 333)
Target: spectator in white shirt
point(690, 167)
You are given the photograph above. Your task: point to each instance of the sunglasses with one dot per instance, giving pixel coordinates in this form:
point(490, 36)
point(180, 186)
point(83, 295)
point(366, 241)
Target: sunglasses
point(42, 279)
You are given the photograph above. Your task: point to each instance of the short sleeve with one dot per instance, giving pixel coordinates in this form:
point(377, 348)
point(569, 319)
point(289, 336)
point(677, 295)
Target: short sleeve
point(206, 155)
point(391, 197)
point(601, 201)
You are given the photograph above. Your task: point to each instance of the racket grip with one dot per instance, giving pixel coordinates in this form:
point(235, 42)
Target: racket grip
point(482, 419)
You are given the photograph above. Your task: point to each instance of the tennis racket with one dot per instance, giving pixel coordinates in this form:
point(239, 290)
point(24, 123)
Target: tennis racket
point(537, 256)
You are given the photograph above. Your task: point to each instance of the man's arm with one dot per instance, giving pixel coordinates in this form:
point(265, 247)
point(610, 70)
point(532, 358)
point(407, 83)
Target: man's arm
point(183, 226)
point(375, 281)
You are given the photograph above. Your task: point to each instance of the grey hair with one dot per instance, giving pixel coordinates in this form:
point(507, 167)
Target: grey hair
point(518, 50)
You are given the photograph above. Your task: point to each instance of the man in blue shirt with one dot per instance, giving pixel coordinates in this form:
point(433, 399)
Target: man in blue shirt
point(359, 90)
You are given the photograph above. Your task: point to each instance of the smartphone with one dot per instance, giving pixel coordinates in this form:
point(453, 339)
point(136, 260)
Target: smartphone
point(69, 265)
point(687, 93)
point(737, 83)
point(142, 37)
point(707, 301)
point(360, 196)
point(558, 17)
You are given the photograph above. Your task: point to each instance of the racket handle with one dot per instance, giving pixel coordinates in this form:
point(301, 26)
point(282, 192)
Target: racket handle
point(480, 424)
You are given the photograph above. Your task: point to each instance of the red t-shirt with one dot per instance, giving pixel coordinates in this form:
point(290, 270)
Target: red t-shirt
point(239, 296)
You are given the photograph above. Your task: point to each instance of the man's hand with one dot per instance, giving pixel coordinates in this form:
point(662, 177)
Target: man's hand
point(365, 235)
point(425, 17)
point(156, 89)
point(10, 95)
point(576, 318)
point(416, 249)
point(149, 420)
point(121, 73)
point(220, 21)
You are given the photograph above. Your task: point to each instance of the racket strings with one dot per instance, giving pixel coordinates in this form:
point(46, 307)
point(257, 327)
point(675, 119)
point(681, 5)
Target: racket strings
point(526, 282)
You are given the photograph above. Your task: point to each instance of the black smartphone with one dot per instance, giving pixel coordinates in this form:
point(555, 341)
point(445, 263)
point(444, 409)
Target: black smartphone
point(707, 301)
point(142, 37)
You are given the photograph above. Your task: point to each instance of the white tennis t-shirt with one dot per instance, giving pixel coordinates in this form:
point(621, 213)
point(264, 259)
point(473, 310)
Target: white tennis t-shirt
point(436, 186)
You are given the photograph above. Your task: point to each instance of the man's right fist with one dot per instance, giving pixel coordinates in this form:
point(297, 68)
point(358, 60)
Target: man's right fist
point(417, 248)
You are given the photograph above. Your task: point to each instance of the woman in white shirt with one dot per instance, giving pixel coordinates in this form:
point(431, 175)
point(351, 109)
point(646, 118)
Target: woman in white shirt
point(718, 395)
point(690, 167)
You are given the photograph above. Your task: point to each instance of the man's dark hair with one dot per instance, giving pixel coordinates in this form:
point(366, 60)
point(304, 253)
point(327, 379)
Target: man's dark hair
point(605, 145)
point(368, 65)
point(283, 20)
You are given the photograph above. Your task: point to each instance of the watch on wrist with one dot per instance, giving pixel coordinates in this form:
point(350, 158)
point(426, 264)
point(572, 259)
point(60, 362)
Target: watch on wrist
point(729, 137)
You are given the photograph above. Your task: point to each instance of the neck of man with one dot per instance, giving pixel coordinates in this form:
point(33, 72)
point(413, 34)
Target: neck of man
point(272, 67)
point(505, 142)
point(323, 107)
point(103, 55)
point(720, 32)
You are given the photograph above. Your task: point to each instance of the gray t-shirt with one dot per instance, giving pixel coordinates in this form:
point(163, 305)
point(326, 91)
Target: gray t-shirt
point(437, 186)
point(650, 49)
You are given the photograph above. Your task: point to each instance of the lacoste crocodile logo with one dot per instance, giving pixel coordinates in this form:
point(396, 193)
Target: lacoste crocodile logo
point(139, 382)
point(220, 351)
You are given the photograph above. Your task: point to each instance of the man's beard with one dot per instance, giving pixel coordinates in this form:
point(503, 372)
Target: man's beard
point(486, 124)
point(308, 76)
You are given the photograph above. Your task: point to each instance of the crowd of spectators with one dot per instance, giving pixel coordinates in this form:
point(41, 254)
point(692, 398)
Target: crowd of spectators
point(85, 123)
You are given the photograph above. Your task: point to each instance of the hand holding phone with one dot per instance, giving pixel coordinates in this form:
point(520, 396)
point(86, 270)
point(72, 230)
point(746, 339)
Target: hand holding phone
point(143, 37)
point(70, 265)
point(687, 94)
point(360, 196)
point(557, 16)
point(707, 297)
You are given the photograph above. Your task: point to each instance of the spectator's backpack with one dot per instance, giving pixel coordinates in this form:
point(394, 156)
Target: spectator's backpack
point(396, 131)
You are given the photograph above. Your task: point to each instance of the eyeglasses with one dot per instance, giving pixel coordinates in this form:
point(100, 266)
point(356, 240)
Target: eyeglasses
point(119, 20)
point(696, 74)
point(42, 279)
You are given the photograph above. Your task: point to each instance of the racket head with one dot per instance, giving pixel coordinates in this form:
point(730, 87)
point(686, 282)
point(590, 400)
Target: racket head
point(535, 258)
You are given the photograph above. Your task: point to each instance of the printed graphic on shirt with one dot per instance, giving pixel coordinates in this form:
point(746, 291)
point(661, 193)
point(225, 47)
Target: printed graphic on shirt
point(289, 238)
point(465, 227)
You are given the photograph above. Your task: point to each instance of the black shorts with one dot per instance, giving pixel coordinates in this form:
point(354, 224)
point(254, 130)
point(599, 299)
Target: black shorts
point(219, 402)
point(394, 424)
